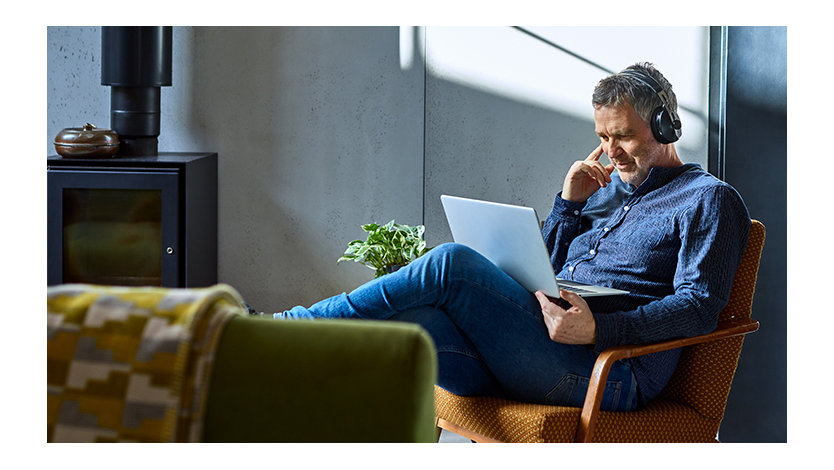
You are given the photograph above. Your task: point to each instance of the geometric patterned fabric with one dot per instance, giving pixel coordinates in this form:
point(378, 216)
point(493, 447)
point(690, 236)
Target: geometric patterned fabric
point(132, 364)
point(689, 409)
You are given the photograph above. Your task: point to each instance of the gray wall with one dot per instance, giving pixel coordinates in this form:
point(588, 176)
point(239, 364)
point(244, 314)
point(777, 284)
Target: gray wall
point(318, 130)
point(756, 165)
point(507, 114)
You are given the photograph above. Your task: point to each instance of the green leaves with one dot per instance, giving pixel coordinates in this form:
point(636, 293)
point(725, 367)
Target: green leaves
point(391, 244)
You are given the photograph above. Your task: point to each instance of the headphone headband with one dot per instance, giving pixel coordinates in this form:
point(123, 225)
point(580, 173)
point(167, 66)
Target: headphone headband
point(650, 82)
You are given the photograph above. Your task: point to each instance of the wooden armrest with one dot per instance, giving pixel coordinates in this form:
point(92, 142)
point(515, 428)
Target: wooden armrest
point(596, 387)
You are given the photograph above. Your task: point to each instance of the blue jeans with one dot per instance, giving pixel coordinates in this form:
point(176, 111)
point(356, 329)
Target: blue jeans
point(488, 330)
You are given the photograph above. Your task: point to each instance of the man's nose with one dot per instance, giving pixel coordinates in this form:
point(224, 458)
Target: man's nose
point(613, 148)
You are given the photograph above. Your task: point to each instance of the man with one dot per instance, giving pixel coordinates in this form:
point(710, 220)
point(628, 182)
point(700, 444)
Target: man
point(667, 232)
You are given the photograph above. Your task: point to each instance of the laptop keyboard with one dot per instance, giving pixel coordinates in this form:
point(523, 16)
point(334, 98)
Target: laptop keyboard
point(573, 286)
point(575, 289)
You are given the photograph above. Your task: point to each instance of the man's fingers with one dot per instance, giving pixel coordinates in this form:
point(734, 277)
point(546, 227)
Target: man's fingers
point(572, 297)
point(604, 174)
point(585, 177)
point(610, 169)
point(543, 300)
point(594, 156)
point(597, 172)
point(547, 303)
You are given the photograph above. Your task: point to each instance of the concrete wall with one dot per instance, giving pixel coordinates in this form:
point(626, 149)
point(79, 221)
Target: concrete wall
point(321, 129)
point(756, 165)
point(507, 114)
point(318, 130)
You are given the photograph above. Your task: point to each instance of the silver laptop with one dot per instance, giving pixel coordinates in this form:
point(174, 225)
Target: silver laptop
point(510, 236)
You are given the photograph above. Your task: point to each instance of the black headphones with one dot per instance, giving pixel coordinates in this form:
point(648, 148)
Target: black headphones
point(665, 124)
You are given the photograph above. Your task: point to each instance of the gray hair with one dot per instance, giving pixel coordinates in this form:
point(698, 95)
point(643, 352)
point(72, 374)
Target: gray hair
point(621, 87)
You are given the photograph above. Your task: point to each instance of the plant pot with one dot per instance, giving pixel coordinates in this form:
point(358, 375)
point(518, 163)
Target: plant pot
point(393, 267)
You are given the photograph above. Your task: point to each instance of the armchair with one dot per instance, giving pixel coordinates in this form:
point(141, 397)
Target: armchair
point(185, 365)
point(689, 409)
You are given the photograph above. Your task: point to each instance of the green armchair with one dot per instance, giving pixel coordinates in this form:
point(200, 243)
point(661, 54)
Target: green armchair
point(154, 364)
point(322, 381)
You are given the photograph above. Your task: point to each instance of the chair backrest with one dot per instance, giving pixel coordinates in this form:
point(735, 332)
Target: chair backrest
point(705, 371)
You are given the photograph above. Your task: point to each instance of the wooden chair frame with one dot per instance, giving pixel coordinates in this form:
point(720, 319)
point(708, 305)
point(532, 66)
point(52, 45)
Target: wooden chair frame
point(596, 387)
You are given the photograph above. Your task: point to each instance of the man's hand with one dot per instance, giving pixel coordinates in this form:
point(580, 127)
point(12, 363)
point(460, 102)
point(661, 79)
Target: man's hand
point(575, 325)
point(585, 177)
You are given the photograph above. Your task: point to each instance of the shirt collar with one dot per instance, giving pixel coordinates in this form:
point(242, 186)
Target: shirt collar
point(659, 176)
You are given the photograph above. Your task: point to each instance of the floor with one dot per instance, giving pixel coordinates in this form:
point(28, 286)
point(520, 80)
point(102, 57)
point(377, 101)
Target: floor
point(447, 437)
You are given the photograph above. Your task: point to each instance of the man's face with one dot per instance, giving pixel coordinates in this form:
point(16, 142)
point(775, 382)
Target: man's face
point(628, 141)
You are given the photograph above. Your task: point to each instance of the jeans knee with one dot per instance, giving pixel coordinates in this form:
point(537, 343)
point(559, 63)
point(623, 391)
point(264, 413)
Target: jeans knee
point(452, 251)
point(456, 258)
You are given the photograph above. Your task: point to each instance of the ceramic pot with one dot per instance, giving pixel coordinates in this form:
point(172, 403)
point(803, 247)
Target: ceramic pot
point(393, 267)
point(86, 142)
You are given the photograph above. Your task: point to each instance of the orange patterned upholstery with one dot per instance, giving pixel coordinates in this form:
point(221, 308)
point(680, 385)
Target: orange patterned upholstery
point(689, 409)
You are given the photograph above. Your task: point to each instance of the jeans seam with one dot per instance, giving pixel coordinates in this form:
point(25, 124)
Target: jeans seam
point(566, 380)
point(462, 352)
point(496, 292)
point(615, 395)
point(432, 292)
point(564, 389)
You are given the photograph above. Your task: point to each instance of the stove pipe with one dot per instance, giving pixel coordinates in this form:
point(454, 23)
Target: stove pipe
point(135, 63)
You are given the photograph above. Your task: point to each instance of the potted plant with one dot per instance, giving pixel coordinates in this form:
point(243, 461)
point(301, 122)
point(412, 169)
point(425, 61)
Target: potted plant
point(388, 247)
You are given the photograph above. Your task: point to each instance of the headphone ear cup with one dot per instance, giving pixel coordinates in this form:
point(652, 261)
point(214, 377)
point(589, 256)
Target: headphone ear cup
point(662, 126)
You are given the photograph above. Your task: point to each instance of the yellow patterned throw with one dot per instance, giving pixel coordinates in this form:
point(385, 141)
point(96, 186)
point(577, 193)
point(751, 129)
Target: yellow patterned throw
point(131, 364)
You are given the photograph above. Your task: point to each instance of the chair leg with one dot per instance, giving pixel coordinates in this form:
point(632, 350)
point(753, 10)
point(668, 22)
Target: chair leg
point(463, 432)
